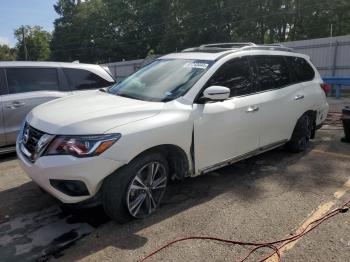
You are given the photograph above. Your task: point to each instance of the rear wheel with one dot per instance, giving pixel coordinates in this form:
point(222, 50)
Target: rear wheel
point(136, 190)
point(301, 135)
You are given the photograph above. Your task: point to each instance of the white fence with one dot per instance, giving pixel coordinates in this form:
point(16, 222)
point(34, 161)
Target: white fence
point(330, 55)
point(121, 70)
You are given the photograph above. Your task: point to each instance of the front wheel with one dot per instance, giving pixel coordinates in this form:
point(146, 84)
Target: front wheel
point(136, 190)
point(301, 135)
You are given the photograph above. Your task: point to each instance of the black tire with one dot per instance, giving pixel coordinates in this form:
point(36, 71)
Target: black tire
point(116, 189)
point(301, 135)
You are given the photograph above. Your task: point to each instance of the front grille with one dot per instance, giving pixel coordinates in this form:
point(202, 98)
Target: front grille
point(30, 138)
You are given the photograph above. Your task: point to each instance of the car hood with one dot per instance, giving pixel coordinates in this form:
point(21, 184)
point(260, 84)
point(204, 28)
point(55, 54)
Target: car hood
point(90, 113)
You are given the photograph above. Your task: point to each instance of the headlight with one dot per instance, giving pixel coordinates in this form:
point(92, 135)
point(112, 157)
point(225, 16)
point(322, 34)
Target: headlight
point(81, 146)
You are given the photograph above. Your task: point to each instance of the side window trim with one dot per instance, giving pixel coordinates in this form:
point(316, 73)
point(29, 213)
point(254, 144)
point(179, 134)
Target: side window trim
point(3, 82)
point(292, 69)
point(292, 74)
point(63, 81)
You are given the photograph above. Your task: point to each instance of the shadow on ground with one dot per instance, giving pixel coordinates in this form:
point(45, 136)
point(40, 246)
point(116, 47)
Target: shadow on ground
point(7, 157)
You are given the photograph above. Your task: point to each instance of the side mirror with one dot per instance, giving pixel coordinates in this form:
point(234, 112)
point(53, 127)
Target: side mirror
point(216, 93)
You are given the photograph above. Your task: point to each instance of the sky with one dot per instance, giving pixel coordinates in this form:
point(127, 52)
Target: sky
point(14, 13)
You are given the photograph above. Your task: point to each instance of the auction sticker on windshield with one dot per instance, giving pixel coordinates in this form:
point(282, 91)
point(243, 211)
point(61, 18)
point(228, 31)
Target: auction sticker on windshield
point(196, 65)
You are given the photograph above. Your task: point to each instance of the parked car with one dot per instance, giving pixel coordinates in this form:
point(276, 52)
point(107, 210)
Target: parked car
point(24, 85)
point(183, 115)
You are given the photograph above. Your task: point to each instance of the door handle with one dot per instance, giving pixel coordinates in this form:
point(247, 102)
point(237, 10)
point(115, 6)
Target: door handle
point(252, 109)
point(299, 97)
point(15, 104)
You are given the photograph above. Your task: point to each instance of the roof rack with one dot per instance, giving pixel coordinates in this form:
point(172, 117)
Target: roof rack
point(220, 47)
point(274, 47)
point(227, 45)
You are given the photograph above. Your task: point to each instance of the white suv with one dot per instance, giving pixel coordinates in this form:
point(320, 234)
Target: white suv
point(183, 115)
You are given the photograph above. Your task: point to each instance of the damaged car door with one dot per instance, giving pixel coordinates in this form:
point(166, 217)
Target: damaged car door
point(227, 130)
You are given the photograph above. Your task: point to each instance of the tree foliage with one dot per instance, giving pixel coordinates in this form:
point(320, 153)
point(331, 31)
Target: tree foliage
point(112, 30)
point(33, 43)
point(7, 53)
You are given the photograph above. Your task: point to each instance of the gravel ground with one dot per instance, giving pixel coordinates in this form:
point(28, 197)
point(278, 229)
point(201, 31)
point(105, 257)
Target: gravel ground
point(260, 199)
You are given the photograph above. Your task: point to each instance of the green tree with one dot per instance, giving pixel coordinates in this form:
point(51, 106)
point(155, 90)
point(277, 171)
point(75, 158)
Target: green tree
point(33, 43)
point(110, 30)
point(7, 53)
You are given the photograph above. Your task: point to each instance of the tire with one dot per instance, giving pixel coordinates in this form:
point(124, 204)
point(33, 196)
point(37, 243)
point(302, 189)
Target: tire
point(301, 135)
point(131, 193)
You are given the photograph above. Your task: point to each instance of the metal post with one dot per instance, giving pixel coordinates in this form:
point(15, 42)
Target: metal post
point(334, 65)
point(24, 44)
point(335, 54)
point(338, 91)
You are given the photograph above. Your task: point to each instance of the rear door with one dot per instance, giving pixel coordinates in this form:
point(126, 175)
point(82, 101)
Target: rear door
point(279, 105)
point(2, 92)
point(27, 87)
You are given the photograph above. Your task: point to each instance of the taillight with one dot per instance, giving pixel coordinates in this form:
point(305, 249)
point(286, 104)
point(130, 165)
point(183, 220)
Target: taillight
point(326, 88)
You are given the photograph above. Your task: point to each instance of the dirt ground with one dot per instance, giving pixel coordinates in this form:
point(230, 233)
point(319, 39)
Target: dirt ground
point(261, 199)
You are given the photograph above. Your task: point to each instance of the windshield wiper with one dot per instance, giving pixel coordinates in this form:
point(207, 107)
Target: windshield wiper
point(167, 99)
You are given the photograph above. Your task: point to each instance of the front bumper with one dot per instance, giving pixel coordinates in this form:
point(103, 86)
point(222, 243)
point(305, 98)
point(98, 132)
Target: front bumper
point(91, 171)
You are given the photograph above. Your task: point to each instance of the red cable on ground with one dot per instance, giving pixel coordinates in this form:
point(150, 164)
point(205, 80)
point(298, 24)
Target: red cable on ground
point(272, 245)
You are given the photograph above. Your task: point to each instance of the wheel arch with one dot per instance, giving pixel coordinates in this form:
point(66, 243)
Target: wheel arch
point(178, 161)
point(311, 113)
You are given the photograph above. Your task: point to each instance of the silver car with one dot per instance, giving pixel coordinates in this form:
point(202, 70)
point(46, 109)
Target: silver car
point(24, 85)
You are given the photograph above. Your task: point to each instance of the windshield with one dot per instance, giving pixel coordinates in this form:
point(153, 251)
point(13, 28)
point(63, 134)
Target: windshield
point(163, 80)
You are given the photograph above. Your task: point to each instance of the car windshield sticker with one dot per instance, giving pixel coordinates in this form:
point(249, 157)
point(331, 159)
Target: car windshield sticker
point(196, 65)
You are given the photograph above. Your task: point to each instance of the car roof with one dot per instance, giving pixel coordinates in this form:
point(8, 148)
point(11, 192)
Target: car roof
point(44, 64)
point(217, 56)
point(196, 55)
point(214, 52)
point(97, 69)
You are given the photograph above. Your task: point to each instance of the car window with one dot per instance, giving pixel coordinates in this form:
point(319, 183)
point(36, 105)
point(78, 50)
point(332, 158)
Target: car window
point(21, 80)
point(272, 71)
point(3, 89)
point(80, 79)
point(302, 69)
point(234, 75)
point(162, 80)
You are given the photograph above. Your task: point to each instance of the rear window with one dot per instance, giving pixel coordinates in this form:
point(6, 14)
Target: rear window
point(302, 70)
point(273, 72)
point(80, 79)
point(21, 80)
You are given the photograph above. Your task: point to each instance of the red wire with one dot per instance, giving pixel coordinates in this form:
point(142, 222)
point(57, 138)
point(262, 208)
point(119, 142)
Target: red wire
point(276, 250)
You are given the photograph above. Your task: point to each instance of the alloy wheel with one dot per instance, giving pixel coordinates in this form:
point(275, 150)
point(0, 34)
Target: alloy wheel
point(147, 189)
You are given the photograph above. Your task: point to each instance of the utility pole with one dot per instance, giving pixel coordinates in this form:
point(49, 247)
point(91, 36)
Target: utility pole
point(24, 44)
